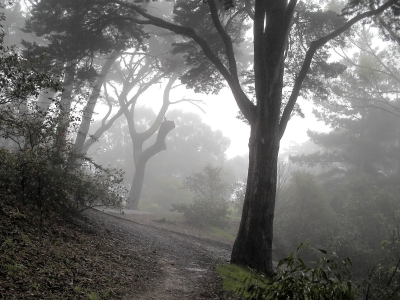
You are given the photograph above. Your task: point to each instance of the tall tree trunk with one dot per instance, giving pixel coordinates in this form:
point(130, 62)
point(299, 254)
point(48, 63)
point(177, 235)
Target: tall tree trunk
point(253, 244)
point(65, 109)
point(23, 141)
point(398, 145)
point(89, 109)
point(137, 184)
point(256, 226)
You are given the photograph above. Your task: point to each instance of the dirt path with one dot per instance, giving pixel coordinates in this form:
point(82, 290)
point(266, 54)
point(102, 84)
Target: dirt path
point(180, 267)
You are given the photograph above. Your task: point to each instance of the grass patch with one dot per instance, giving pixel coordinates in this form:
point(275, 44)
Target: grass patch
point(326, 278)
point(15, 270)
point(165, 220)
point(220, 232)
point(234, 216)
point(236, 278)
point(168, 217)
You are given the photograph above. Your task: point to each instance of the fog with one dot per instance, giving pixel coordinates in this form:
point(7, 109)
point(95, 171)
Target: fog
point(149, 104)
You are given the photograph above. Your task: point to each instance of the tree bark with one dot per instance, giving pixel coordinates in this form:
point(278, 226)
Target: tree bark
point(137, 184)
point(65, 108)
point(253, 244)
point(89, 109)
point(142, 159)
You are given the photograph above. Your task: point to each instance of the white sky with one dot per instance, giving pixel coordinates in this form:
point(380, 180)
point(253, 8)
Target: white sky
point(221, 111)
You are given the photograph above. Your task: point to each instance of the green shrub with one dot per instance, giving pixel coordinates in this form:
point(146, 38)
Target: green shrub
point(35, 169)
point(294, 279)
point(30, 178)
point(210, 205)
point(383, 280)
point(204, 212)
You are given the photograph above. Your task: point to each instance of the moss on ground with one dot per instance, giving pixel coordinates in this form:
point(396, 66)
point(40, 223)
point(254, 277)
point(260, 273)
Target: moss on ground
point(222, 233)
point(236, 277)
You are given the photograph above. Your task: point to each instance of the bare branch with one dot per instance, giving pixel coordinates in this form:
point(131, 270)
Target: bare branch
point(194, 102)
point(230, 20)
point(103, 121)
point(245, 105)
point(157, 122)
point(159, 145)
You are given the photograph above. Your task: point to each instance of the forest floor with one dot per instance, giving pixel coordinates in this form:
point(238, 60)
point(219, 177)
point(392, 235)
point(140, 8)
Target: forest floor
point(107, 256)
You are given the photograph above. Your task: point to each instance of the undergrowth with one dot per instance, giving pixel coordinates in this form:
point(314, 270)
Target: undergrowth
point(61, 259)
point(326, 278)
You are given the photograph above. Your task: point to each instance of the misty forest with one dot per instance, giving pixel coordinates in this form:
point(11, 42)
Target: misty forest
point(115, 182)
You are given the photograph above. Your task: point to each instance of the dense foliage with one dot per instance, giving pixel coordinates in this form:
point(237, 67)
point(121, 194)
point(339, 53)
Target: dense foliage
point(210, 203)
point(34, 170)
point(327, 278)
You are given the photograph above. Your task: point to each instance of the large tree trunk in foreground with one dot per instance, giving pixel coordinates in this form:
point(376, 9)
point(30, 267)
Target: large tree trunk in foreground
point(253, 244)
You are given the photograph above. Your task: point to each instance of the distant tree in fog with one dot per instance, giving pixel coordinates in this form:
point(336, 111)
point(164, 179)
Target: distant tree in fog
point(364, 113)
point(211, 197)
point(137, 74)
point(13, 25)
point(238, 165)
point(141, 155)
point(304, 213)
point(190, 145)
point(80, 44)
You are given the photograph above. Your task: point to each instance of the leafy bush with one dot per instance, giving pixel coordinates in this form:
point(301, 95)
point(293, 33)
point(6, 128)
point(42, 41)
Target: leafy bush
point(325, 279)
point(29, 177)
point(204, 212)
point(210, 205)
point(383, 280)
point(169, 190)
point(35, 170)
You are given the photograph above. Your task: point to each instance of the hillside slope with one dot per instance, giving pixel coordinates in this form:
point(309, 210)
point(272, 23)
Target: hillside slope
point(99, 256)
